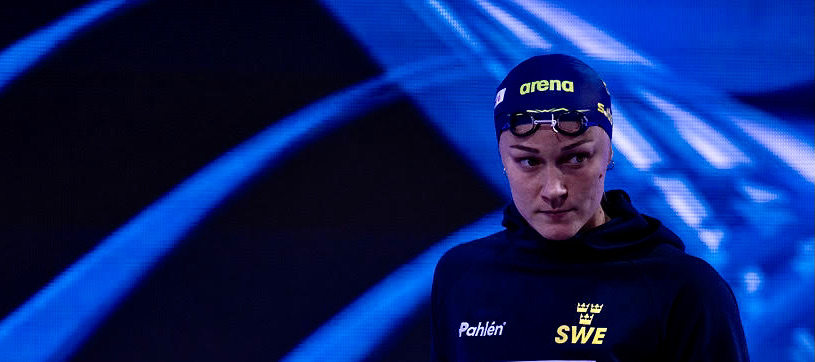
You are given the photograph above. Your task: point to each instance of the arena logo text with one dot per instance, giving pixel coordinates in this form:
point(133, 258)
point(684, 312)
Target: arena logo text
point(547, 85)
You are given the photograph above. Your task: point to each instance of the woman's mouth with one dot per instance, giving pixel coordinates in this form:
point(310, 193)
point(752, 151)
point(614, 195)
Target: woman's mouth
point(555, 214)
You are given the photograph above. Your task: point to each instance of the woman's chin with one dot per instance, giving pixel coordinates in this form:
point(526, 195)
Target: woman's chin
point(557, 232)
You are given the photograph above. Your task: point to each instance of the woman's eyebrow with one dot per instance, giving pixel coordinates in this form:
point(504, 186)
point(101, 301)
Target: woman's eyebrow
point(573, 145)
point(525, 148)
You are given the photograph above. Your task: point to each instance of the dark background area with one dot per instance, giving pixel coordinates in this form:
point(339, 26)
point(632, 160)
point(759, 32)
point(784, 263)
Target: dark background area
point(119, 116)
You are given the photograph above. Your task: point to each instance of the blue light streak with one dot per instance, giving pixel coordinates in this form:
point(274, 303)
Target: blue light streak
point(793, 151)
point(684, 202)
point(709, 143)
point(591, 41)
point(632, 144)
point(460, 29)
point(526, 35)
point(26, 52)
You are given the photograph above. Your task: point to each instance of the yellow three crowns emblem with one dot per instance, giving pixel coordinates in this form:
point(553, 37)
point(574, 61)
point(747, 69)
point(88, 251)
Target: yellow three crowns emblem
point(582, 334)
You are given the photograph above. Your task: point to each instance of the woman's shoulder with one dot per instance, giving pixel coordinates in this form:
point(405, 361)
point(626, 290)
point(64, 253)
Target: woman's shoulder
point(672, 275)
point(460, 257)
point(479, 247)
point(670, 262)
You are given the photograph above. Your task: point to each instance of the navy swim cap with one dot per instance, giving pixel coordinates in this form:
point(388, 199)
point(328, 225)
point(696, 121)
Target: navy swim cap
point(548, 83)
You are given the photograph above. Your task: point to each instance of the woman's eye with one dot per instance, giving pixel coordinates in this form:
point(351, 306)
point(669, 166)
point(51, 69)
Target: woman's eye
point(529, 162)
point(577, 158)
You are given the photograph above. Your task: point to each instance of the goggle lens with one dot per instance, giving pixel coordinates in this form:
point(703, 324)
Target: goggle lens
point(571, 123)
point(522, 124)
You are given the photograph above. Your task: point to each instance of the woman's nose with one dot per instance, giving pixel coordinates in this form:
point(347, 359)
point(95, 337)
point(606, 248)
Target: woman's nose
point(554, 189)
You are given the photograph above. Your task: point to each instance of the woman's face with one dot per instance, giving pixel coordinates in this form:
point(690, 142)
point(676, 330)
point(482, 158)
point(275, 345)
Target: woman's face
point(557, 181)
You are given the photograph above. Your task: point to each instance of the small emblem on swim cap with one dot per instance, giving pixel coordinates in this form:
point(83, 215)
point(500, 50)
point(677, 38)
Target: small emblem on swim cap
point(605, 111)
point(499, 97)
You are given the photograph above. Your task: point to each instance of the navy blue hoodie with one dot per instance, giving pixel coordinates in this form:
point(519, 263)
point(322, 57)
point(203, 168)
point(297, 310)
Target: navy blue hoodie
point(623, 291)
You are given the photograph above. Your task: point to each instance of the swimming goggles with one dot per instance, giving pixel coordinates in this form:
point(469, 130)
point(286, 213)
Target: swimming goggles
point(568, 122)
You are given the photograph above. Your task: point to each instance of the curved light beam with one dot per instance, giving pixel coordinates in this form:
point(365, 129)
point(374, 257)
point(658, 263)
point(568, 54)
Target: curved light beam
point(23, 54)
point(591, 41)
point(54, 321)
point(357, 330)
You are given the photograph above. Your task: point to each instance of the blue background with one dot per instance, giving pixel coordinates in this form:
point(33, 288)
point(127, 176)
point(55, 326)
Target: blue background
point(200, 180)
